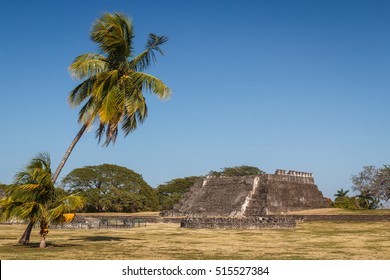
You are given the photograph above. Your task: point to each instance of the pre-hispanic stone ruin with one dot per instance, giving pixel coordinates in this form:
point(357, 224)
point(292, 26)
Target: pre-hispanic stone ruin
point(250, 196)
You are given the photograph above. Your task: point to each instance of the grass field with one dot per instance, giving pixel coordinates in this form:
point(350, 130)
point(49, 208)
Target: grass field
point(339, 211)
point(309, 240)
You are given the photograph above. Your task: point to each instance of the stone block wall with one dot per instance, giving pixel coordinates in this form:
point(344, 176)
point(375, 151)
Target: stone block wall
point(102, 222)
point(239, 223)
point(278, 194)
point(215, 196)
point(342, 218)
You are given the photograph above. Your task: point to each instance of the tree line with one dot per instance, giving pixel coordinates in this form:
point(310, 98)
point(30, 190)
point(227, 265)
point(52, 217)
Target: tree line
point(113, 188)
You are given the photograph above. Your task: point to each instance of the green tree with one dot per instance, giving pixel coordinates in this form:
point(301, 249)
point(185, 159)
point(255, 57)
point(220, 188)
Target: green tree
point(341, 193)
point(346, 202)
point(368, 201)
point(170, 193)
point(374, 181)
point(113, 81)
point(242, 170)
point(33, 198)
point(111, 188)
point(342, 200)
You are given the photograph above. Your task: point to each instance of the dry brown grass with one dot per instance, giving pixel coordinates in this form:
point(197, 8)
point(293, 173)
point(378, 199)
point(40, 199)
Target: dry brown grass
point(339, 211)
point(310, 240)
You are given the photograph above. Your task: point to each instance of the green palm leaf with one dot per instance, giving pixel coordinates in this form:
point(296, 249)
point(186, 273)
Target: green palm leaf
point(143, 61)
point(87, 65)
point(114, 34)
point(65, 205)
point(151, 84)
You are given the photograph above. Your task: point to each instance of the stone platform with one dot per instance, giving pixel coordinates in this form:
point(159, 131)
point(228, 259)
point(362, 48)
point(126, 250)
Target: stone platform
point(250, 196)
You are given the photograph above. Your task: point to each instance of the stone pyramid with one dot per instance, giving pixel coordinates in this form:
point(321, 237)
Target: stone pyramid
point(248, 196)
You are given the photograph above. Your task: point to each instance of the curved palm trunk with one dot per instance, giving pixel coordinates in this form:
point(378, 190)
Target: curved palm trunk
point(25, 239)
point(68, 151)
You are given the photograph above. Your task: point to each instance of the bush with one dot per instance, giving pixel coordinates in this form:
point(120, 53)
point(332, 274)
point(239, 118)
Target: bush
point(346, 202)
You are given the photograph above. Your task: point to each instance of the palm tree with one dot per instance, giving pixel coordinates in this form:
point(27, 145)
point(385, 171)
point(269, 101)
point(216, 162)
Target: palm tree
point(32, 198)
point(113, 82)
point(368, 200)
point(341, 193)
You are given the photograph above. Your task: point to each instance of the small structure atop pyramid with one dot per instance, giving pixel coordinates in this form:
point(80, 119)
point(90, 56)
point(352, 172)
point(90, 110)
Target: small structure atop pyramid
point(247, 196)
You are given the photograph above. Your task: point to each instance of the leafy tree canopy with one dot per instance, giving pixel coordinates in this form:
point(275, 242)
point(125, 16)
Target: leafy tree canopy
point(242, 170)
point(170, 193)
point(111, 188)
point(373, 181)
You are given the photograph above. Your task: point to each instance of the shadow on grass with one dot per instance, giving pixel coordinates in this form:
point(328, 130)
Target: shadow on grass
point(103, 238)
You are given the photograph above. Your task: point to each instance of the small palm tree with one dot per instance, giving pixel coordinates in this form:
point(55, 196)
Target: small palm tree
point(341, 193)
point(367, 200)
point(113, 82)
point(32, 198)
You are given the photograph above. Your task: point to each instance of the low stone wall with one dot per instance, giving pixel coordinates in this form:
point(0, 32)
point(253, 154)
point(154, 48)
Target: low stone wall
point(260, 222)
point(346, 218)
point(298, 218)
point(239, 223)
point(85, 222)
point(270, 221)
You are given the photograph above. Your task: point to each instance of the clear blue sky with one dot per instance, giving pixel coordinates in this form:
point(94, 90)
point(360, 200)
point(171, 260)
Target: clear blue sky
point(300, 85)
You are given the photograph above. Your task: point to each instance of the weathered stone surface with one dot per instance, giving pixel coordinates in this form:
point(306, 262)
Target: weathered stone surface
point(239, 223)
point(247, 196)
point(102, 222)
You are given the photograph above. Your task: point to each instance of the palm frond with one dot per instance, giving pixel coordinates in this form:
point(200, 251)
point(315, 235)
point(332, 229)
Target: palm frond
point(129, 123)
point(111, 133)
point(9, 208)
point(30, 187)
point(151, 84)
point(109, 107)
point(155, 41)
point(100, 131)
point(35, 169)
point(80, 93)
point(113, 33)
point(67, 204)
point(135, 103)
point(104, 83)
point(138, 114)
point(88, 65)
point(22, 177)
point(29, 210)
point(106, 90)
point(143, 61)
point(109, 129)
point(88, 111)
